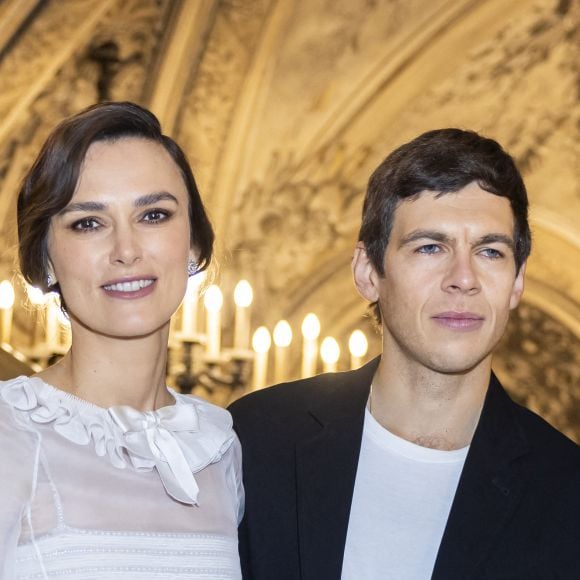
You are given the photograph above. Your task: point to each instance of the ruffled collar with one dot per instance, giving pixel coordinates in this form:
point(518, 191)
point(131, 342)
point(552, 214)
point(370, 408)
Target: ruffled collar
point(177, 441)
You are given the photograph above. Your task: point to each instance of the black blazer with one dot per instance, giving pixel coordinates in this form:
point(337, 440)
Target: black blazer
point(516, 513)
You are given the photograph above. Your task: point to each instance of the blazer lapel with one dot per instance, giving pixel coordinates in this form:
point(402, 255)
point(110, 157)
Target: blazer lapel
point(326, 465)
point(489, 489)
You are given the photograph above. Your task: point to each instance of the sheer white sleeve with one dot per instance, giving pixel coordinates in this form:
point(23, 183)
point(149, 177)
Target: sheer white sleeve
point(19, 460)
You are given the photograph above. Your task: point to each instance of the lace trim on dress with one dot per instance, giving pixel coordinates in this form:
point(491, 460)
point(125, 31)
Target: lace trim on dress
point(178, 440)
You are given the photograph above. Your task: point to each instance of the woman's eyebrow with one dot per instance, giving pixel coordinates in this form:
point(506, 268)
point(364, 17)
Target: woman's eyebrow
point(143, 201)
point(152, 198)
point(83, 206)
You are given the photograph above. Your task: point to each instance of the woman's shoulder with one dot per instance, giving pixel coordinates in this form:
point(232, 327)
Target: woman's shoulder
point(14, 394)
point(209, 411)
point(19, 442)
point(15, 382)
point(210, 433)
point(10, 383)
point(18, 397)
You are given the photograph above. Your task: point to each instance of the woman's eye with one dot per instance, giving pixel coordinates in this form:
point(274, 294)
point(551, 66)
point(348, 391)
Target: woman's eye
point(429, 249)
point(85, 225)
point(155, 215)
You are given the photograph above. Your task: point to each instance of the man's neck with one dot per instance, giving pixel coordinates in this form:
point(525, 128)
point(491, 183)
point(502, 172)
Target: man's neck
point(429, 408)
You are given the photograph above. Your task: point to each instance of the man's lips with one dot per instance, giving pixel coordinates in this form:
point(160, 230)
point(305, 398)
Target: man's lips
point(459, 320)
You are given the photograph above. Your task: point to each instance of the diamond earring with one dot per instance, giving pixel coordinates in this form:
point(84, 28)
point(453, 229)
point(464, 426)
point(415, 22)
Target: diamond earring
point(50, 280)
point(191, 268)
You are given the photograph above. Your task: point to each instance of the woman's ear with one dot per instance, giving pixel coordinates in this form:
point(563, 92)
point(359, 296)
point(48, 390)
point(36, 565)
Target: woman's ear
point(193, 261)
point(51, 280)
point(364, 273)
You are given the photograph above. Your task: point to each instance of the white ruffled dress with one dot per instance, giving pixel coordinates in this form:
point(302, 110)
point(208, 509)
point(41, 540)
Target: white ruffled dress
point(91, 493)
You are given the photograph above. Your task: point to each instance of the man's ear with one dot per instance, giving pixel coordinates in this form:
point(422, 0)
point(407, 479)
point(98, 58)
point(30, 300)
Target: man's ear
point(518, 287)
point(364, 273)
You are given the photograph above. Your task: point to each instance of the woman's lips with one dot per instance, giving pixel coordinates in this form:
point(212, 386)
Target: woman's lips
point(459, 320)
point(128, 289)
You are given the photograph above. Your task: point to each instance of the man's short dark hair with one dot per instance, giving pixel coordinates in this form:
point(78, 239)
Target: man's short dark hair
point(442, 161)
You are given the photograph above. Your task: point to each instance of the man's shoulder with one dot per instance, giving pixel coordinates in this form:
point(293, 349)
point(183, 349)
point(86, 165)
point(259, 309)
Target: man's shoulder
point(287, 398)
point(524, 431)
point(337, 394)
point(553, 445)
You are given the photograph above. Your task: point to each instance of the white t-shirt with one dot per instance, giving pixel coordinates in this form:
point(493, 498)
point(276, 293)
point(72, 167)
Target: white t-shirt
point(402, 497)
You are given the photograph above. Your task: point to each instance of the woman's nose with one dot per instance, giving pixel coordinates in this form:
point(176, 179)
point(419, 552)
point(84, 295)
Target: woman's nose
point(126, 249)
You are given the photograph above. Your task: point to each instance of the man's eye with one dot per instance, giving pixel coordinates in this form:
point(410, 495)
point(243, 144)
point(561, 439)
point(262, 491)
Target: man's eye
point(85, 225)
point(429, 249)
point(492, 253)
point(155, 215)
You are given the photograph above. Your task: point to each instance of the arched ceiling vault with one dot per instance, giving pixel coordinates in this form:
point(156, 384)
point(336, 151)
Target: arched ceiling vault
point(183, 46)
point(286, 106)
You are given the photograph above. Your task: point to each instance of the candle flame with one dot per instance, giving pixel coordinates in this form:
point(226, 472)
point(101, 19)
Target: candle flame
point(282, 334)
point(329, 350)
point(358, 344)
point(243, 294)
point(310, 327)
point(213, 298)
point(6, 295)
point(261, 341)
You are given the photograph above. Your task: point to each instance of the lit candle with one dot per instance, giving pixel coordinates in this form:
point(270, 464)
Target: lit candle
point(310, 332)
point(189, 306)
point(330, 353)
point(38, 299)
point(243, 297)
point(52, 309)
point(282, 340)
point(6, 308)
point(261, 343)
point(213, 301)
point(358, 346)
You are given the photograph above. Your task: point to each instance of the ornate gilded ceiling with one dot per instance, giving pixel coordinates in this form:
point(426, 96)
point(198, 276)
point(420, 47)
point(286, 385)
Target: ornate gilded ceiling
point(286, 106)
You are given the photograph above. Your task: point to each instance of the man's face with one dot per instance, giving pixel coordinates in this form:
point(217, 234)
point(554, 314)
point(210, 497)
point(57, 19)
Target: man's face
point(450, 279)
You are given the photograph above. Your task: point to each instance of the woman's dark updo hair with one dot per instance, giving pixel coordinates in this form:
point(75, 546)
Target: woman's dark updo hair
point(51, 181)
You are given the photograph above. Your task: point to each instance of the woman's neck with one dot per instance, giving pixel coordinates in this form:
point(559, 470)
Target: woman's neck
point(108, 371)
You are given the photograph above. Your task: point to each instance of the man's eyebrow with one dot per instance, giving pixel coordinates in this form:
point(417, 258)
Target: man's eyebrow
point(415, 235)
point(143, 201)
point(437, 236)
point(495, 239)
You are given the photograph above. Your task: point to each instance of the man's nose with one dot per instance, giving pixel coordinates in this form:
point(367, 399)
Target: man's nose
point(461, 275)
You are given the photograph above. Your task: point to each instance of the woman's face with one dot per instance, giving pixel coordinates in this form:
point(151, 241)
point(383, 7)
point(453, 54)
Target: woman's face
point(120, 248)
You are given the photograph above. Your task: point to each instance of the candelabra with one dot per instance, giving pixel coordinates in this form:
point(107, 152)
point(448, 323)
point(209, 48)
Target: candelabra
point(197, 358)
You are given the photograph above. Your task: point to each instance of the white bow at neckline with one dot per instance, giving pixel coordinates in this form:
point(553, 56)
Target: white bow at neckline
point(150, 441)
